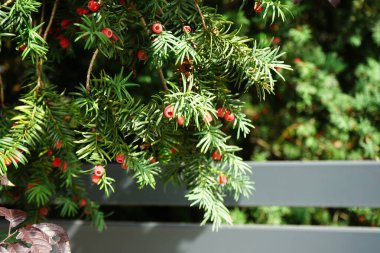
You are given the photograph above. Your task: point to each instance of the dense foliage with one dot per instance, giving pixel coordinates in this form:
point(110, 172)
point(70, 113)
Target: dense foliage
point(198, 65)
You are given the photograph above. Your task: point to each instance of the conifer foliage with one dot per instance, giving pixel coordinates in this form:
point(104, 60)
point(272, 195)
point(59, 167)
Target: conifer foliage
point(178, 134)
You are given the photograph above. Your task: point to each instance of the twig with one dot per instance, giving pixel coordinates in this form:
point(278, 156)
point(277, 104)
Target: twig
point(200, 14)
point(39, 74)
point(42, 16)
point(1, 92)
point(160, 12)
point(90, 67)
point(51, 19)
point(163, 80)
point(143, 24)
point(39, 62)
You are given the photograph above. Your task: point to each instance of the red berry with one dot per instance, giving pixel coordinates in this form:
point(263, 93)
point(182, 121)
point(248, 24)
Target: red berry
point(95, 179)
point(297, 60)
point(22, 47)
point(229, 116)
point(278, 69)
point(172, 150)
point(43, 211)
point(50, 152)
point(180, 120)
point(216, 155)
point(221, 112)
point(169, 111)
point(99, 170)
point(258, 7)
point(222, 180)
point(142, 55)
point(81, 11)
point(114, 38)
point(30, 186)
point(157, 28)
point(58, 144)
point(107, 32)
point(186, 29)
point(57, 162)
point(64, 42)
point(82, 202)
point(65, 165)
point(152, 159)
point(207, 118)
point(124, 166)
point(7, 161)
point(119, 158)
point(67, 118)
point(93, 6)
point(276, 40)
point(121, 2)
point(65, 23)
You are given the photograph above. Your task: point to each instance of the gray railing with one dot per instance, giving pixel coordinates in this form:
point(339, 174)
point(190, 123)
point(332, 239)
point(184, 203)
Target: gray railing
point(303, 184)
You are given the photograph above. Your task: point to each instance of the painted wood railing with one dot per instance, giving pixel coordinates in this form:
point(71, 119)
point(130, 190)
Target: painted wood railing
point(301, 184)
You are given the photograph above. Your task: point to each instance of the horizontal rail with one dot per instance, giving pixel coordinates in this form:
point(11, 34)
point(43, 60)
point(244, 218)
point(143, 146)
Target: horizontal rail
point(181, 238)
point(319, 184)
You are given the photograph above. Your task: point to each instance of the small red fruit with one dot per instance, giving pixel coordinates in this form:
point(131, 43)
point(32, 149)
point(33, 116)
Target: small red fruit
point(50, 152)
point(7, 161)
point(169, 111)
point(22, 47)
point(65, 165)
point(222, 180)
point(186, 29)
point(121, 2)
point(124, 166)
point(67, 118)
point(172, 150)
point(142, 55)
point(276, 40)
point(258, 7)
point(57, 162)
point(229, 116)
point(64, 42)
point(216, 155)
point(221, 111)
point(297, 60)
point(30, 186)
point(93, 6)
point(180, 120)
point(157, 28)
point(82, 202)
point(95, 179)
point(119, 158)
point(65, 23)
point(81, 11)
point(107, 32)
point(114, 38)
point(207, 118)
point(43, 211)
point(99, 170)
point(152, 159)
point(58, 144)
